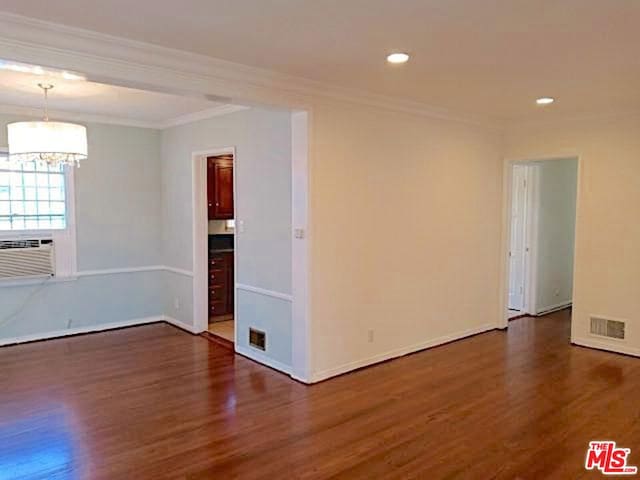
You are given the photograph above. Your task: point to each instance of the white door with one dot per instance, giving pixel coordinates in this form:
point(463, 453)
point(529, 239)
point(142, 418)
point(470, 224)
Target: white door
point(517, 252)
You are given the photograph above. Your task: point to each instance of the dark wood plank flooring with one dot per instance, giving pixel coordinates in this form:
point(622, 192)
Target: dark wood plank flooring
point(155, 403)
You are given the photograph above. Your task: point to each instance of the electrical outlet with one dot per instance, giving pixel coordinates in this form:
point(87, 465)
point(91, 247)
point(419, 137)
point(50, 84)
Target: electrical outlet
point(370, 336)
point(176, 303)
point(298, 233)
point(557, 292)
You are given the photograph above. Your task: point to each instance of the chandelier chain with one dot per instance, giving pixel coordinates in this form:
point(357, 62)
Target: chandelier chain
point(45, 88)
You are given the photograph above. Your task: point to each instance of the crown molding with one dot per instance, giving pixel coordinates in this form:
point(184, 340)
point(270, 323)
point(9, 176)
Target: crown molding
point(202, 115)
point(125, 122)
point(137, 64)
point(570, 120)
point(76, 117)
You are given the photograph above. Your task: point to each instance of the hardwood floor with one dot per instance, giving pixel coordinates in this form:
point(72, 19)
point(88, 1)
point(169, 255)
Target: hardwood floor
point(153, 402)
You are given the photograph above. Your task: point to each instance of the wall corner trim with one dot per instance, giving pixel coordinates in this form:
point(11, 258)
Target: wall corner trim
point(181, 325)
point(80, 330)
point(613, 347)
point(399, 352)
point(263, 359)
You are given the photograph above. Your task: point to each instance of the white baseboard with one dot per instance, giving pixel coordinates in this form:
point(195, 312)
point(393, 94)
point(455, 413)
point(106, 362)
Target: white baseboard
point(399, 352)
point(182, 325)
point(614, 346)
point(553, 308)
point(79, 330)
point(301, 377)
point(262, 358)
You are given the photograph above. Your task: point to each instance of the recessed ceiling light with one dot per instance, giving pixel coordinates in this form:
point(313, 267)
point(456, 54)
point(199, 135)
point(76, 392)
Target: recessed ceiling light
point(545, 100)
point(398, 57)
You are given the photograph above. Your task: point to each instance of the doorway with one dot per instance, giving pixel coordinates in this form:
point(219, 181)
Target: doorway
point(541, 240)
point(519, 242)
point(215, 245)
point(221, 246)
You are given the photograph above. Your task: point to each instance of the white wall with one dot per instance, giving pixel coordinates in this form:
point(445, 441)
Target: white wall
point(263, 181)
point(557, 182)
point(118, 226)
point(435, 275)
point(607, 235)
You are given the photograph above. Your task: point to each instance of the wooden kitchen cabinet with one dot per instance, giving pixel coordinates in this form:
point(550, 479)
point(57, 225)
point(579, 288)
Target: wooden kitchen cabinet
point(220, 187)
point(221, 281)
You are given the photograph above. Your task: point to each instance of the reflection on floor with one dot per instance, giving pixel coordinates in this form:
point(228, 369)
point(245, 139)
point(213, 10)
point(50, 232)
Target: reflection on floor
point(99, 406)
point(223, 329)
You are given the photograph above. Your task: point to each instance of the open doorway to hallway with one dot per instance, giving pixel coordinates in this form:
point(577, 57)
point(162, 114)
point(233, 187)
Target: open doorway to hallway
point(542, 236)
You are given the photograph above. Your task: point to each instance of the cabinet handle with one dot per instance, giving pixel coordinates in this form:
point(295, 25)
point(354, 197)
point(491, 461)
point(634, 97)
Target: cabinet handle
point(209, 203)
point(217, 204)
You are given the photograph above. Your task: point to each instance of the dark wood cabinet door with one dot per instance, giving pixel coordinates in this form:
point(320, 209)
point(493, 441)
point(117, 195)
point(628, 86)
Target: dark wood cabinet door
point(221, 284)
point(211, 190)
point(231, 284)
point(224, 189)
point(220, 187)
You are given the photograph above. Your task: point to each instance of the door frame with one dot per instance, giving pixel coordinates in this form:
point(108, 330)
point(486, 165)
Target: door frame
point(201, 235)
point(507, 198)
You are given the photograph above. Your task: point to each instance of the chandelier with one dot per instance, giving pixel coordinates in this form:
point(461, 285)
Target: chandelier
point(51, 143)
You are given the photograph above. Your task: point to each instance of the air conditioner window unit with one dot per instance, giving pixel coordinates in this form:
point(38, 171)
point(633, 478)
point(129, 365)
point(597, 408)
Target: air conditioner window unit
point(26, 258)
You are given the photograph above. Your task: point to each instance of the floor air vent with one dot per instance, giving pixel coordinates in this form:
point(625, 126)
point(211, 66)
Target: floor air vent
point(604, 327)
point(257, 339)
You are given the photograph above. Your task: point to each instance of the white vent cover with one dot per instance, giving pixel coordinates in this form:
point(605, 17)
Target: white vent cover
point(604, 327)
point(26, 259)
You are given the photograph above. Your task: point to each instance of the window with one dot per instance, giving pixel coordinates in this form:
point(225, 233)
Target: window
point(32, 196)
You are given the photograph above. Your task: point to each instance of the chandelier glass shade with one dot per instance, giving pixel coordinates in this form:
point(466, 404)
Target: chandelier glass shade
point(52, 143)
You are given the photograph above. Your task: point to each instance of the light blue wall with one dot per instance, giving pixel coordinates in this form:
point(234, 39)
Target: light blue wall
point(118, 202)
point(263, 177)
point(118, 213)
point(133, 209)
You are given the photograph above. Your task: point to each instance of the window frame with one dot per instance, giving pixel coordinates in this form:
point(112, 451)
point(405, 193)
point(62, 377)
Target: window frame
point(64, 239)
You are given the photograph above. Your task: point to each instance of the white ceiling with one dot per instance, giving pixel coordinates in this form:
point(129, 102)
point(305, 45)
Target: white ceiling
point(491, 57)
point(117, 104)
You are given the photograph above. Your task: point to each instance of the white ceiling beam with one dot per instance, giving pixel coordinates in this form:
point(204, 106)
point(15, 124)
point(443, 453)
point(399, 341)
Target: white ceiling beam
point(108, 59)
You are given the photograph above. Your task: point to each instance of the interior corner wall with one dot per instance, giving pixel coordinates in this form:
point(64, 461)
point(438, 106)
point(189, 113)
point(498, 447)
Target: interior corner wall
point(405, 216)
point(607, 257)
point(118, 228)
point(557, 182)
point(262, 139)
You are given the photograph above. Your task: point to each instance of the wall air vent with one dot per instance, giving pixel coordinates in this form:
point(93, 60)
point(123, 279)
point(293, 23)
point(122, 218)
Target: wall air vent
point(603, 327)
point(26, 259)
point(257, 339)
